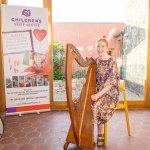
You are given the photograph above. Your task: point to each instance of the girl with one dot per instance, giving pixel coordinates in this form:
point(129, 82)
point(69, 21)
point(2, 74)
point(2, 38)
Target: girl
point(107, 88)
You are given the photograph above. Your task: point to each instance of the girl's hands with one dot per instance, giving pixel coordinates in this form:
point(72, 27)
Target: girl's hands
point(83, 80)
point(94, 97)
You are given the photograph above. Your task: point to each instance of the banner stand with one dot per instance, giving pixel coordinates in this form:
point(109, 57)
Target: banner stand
point(26, 59)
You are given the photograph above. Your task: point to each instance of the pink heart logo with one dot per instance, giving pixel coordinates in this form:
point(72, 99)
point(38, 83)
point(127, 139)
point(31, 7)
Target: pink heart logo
point(39, 34)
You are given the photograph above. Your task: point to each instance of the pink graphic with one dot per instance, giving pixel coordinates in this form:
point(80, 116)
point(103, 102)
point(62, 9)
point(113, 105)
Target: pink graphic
point(14, 66)
point(36, 71)
point(10, 67)
point(39, 34)
point(9, 61)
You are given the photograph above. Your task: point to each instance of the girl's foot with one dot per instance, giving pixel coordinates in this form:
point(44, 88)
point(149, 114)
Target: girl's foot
point(100, 140)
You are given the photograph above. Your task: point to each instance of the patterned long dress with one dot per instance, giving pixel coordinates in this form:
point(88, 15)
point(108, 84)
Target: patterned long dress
point(106, 74)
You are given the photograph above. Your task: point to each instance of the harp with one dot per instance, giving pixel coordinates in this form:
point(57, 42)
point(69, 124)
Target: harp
point(81, 131)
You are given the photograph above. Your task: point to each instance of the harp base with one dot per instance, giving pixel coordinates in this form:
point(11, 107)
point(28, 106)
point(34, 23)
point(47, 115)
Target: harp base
point(66, 145)
point(71, 139)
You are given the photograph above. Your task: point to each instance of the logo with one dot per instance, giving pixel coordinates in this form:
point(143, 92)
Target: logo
point(26, 13)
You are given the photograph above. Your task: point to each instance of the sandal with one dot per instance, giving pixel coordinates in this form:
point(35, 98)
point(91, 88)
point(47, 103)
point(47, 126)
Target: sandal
point(100, 140)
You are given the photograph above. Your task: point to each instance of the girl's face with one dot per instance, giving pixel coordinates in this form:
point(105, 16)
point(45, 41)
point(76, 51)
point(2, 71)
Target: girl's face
point(102, 48)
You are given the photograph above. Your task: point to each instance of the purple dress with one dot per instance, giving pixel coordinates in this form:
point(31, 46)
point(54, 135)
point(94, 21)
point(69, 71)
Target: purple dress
point(106, 74)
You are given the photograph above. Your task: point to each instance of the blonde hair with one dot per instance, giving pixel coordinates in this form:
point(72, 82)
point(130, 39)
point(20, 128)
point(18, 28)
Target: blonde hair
point(103, 39)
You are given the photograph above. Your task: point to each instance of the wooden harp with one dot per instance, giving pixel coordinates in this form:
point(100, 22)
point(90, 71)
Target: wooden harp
point(81, 131)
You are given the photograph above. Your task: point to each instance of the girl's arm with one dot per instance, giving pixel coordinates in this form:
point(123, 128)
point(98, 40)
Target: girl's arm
point(112, 80)
point(98, 95)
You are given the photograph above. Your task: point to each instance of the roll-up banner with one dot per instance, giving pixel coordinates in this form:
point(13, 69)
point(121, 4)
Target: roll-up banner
point(26, 62)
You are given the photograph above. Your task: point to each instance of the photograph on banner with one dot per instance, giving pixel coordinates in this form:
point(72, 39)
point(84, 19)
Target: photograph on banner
point(26, 62)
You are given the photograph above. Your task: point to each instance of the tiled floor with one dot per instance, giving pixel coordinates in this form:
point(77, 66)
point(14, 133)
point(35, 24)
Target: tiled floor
point(48, 131)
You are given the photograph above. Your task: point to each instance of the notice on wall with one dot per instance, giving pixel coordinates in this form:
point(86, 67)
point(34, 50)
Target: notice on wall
point(26, 62)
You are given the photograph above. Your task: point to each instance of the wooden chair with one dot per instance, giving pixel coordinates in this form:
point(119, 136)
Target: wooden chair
point(120, 106)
